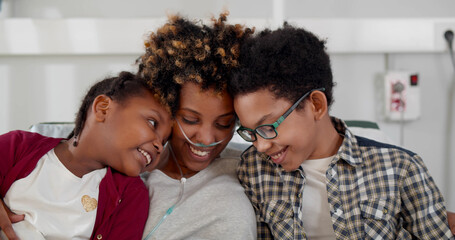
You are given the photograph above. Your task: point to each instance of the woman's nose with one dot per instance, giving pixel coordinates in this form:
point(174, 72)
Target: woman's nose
point(206, 135)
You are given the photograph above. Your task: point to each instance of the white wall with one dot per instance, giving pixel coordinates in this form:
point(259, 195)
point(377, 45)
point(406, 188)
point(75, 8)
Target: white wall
point(357, 88)
point(50, 88)
point(37, 87)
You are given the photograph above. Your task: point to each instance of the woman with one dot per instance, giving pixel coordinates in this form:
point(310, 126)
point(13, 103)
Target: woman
point(196, 194)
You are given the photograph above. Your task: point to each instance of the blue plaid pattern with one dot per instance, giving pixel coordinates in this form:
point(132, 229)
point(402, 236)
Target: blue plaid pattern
point(375, 191)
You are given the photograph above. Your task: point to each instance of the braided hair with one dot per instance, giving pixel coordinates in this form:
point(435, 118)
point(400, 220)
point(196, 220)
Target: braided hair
point(182, 51)
point(119, 89)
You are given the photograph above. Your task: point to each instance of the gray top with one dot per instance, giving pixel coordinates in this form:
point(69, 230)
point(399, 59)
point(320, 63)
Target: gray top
point(213, 205)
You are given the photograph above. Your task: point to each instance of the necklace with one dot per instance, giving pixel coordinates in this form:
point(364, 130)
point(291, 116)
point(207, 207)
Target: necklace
point(182, 176)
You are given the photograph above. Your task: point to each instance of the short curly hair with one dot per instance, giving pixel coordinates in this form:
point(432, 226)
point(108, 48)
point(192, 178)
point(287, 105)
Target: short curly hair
point(288, 61)
point(182, 51)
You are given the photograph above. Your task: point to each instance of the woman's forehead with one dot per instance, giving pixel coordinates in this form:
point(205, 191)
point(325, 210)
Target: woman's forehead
point(199, 101)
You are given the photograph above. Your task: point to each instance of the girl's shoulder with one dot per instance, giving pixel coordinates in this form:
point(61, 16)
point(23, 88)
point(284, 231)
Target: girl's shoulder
point(124, 183)
point(19, 138)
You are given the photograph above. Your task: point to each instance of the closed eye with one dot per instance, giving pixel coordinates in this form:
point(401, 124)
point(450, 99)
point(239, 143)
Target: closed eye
point(187, 121)
point(226, 125)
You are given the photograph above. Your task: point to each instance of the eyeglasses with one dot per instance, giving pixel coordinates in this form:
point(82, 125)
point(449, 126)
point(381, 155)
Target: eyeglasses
point(268, 131)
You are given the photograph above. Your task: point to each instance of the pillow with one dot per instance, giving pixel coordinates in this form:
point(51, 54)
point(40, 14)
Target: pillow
point(367, 129)
point(53, 129)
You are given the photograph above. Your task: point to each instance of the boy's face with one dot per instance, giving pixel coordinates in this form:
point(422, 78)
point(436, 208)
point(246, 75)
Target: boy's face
point(297, 134)
point(134, 133)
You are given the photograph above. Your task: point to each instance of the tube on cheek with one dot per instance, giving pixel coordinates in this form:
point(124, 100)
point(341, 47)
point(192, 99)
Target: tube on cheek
point(201, 144)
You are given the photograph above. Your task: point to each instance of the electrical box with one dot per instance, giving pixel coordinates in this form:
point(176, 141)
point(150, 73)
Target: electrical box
point(402, 96)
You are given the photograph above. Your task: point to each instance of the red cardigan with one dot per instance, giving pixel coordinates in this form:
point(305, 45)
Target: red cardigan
point(123, 202)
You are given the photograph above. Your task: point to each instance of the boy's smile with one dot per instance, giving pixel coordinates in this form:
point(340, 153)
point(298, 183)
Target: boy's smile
point(296, 139)
point(279, 156)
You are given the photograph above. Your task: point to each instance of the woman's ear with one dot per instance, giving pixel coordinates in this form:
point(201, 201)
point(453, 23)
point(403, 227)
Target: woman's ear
point(100, 106)
point(319, 104)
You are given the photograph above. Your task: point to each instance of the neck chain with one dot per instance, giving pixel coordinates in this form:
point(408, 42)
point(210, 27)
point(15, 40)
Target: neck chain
point(186, 175)
point(179, 199)
point(176, 162)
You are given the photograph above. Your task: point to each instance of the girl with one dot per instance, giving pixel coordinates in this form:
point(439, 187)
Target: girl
point(87, 186)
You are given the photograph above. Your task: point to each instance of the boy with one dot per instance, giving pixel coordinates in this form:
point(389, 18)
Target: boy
point(307, 175)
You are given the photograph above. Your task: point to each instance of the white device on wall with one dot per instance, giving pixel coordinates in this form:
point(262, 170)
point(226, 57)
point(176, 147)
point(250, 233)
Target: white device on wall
point(402, 96)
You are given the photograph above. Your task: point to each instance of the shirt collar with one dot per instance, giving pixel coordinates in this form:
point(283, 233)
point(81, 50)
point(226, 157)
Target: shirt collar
point(349, 150)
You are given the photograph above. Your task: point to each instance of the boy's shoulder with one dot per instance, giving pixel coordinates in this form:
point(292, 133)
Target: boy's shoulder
point(370, 153)
point(252, 155)
point(364, 142)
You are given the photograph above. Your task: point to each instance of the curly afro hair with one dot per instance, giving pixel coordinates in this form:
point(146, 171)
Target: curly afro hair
point(182, 51)
point(288, 61)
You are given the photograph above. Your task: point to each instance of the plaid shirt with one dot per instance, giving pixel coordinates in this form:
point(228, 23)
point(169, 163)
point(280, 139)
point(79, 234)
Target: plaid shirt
point(375, 191)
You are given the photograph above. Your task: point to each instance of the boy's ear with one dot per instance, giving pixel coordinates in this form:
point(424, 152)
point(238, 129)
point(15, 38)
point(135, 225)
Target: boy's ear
point(100, 107)
point(319, 104)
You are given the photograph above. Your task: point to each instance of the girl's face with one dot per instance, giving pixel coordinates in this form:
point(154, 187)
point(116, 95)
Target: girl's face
point(297, 138)
point(205, 118)
point(134, 133)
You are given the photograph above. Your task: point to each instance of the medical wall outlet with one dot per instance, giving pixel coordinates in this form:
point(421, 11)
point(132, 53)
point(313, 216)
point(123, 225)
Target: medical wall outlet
point(402, 96)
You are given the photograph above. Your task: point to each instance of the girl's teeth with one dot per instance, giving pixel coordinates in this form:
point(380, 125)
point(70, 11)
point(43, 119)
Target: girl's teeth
point(199, 153)
point(146, 155)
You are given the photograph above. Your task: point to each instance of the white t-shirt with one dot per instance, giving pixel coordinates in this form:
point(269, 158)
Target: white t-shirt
point(213, 206)
point(315, 212)
point(56, 203)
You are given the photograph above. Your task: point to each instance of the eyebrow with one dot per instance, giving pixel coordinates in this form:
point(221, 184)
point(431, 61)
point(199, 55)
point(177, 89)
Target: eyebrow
point(261, 121)
point(197, 113)
point(155, 113)
point(191, 110)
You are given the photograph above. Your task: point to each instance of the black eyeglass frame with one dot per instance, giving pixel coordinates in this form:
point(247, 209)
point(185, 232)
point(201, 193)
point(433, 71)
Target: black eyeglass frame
point(274, 125)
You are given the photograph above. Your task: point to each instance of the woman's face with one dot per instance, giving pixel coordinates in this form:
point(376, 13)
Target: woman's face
point(205, 117)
